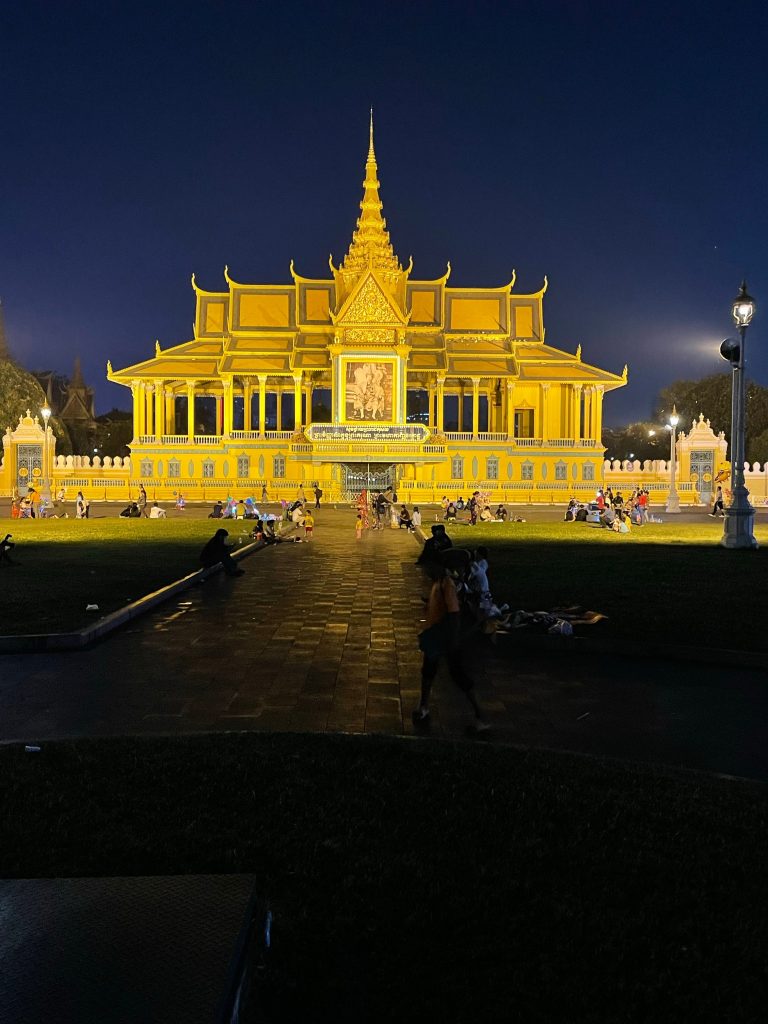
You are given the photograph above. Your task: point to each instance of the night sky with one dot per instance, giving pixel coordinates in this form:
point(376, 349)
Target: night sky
point(618, 148)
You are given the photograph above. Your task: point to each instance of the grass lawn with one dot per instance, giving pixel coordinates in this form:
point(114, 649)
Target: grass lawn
point(65, 564)
point(666, 583)
point(467, 881)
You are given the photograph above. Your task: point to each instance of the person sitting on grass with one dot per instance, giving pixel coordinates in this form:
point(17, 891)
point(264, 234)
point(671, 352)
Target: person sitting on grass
point(621, 523)
point(131, 511)
point(404, 519)
point(434, 545)
point(216, 552)
point(218, 511)
point(501, 514)
point(450, 512)
point(156, 512)
point(416, 517)
point(486, 516)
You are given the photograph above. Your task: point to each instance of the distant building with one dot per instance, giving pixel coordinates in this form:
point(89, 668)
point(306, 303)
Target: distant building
point(365, 378)
point(72, 402)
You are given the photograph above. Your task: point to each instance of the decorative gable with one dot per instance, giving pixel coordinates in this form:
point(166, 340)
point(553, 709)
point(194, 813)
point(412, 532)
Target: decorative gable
point(369, 304)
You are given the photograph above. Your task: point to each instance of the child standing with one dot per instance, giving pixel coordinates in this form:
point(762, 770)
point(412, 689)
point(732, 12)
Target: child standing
point(359, 526)
point(309, 525)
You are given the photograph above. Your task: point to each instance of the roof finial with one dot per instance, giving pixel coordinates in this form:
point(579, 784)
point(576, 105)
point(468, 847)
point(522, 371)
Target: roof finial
point(371, 238)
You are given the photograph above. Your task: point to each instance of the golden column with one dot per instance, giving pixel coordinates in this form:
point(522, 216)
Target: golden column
point(475, 406)
point(510, 409)
point(159, 409)
point(588, 412)
point(228, 406)
point(431, 399)
point(278, 406)
point(247, 396)
point(136, 391)
point(170, 411)
point(440, 403)
point(191, 411)
point(577, 431)
point(297, 417)
point(598, 412)
point(308, 406)
point(219, 415)
point(544, 419)
point(262, 403)
point(148, 410)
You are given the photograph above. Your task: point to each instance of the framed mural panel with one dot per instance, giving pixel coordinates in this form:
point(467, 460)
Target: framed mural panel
point(369, 390)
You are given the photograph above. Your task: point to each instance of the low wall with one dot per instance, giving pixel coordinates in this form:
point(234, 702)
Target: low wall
point(116, 480)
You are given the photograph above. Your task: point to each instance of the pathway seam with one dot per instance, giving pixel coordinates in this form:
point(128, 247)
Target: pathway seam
point(30, 643)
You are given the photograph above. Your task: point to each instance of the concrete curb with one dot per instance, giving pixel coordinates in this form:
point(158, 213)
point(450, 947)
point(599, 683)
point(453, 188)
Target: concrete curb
point(578, 645)
point(30, 643)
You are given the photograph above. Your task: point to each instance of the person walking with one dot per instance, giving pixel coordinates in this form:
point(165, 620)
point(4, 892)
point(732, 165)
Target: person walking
point(318, 495)
point(79, 506)
point(359, 527)
point(142, 502)
point(442, 639)
point(718, 504)
point(264, 497)
point(309, 525)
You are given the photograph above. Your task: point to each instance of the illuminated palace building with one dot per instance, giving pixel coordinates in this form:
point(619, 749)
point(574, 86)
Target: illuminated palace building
point(365, 378)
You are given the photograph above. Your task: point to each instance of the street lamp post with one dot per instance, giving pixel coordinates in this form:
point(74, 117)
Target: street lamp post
point(46, 414)
point(738, 528)
point(673, 500)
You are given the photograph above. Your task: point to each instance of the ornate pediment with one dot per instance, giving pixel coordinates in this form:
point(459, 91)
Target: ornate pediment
point(369, 304)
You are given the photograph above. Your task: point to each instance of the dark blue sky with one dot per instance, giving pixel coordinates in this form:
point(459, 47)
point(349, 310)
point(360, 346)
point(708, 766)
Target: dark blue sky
point(619, 148)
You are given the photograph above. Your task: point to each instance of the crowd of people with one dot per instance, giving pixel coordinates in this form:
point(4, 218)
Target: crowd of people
point(612, 511)
point(478, 509)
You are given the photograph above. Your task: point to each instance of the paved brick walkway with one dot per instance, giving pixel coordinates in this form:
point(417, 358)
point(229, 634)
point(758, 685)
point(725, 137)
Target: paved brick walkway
point(322, 636)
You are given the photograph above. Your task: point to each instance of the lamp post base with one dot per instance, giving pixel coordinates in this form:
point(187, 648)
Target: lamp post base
point(673, 503)
point(738, 528)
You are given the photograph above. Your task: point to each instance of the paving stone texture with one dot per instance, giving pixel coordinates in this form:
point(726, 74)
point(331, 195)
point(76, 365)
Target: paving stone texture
point(322, 636)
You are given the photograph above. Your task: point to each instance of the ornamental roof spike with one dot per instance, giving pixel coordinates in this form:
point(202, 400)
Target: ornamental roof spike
point(370, 245)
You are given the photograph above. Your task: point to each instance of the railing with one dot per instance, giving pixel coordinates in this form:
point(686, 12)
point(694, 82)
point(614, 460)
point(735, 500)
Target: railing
point(207, 439)
point(454, 435)
point(245, 435)
point(491, 436)
point(171, 439)
point(434, 449)
point(528, 442)
point(279, 435)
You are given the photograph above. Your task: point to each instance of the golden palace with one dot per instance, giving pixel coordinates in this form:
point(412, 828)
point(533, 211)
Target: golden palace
point(367, 377)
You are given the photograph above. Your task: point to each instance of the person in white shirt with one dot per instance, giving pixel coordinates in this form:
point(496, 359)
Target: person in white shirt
point(156, 512)
point(416, 516)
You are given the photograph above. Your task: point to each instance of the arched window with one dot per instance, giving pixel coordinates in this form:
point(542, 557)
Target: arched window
point(492, 468)
point(147, 467)
point(457, 467)
point(208, 468)
point(174, 468)
point(526, 470)
point(243, 466)
point(561, 470)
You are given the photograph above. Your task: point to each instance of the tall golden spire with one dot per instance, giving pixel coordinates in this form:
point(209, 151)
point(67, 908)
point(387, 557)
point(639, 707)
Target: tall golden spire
point(371, 246)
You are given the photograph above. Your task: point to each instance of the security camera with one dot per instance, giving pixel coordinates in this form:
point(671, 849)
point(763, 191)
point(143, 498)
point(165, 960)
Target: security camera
point(730, 350)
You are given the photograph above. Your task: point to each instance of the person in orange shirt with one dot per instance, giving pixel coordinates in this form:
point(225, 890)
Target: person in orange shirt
point(34, 497)
point(441, 638)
